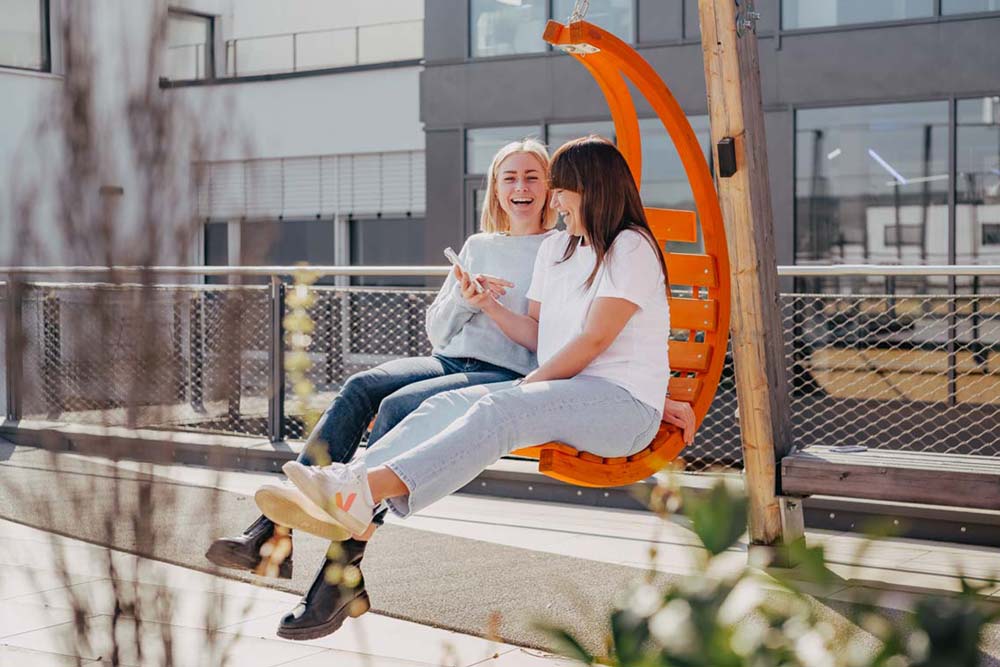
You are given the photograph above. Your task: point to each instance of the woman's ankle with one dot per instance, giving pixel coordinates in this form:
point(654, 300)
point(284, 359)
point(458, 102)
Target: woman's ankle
point(384, 483)
point(367, 535)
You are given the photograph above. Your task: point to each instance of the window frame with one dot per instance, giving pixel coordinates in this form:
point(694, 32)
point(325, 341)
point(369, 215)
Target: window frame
point(994, 228)
point(45, 42)
point(211, 65)
point(548, 50)
point(936, 16)
point(472, 181)
point(953, 282)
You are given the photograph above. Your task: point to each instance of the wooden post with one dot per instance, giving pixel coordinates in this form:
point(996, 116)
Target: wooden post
point(732, 77)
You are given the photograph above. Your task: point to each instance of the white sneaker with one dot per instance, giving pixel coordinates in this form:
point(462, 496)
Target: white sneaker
point(287, 506)
point(341, 490)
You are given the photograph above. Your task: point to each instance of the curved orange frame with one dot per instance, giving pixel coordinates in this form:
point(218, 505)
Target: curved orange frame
point(610, 61)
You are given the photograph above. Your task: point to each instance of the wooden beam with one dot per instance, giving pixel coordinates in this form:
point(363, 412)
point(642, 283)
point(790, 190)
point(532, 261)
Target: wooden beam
point(732, 77)
point(929, 478)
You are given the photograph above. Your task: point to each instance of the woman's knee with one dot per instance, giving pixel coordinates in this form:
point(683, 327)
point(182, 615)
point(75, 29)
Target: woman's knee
point(505, 400)
point(362, 384)
point(395, 407)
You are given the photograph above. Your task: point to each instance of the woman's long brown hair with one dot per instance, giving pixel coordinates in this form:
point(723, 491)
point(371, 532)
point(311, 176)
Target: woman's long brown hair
point(593, 167)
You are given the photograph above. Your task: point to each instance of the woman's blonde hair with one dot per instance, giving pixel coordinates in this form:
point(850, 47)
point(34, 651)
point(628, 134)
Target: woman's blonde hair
point(494, 219)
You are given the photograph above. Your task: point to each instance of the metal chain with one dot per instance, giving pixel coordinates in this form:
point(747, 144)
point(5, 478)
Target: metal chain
point(579, 11)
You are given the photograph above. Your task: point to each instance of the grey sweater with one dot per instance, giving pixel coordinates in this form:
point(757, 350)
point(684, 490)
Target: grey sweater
point(457, 329)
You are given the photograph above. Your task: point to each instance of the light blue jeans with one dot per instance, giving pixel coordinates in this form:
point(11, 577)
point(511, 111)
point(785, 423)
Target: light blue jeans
point(453, 436)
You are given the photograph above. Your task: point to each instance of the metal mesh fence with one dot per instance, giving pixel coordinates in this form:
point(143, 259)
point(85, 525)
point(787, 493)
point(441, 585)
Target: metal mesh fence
point(146, 357)
point(913, 373)
point(195, 358)
point(356, 329)
point(918, 373)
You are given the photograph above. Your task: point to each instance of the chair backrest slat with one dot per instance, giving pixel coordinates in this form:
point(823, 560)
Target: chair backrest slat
point(685, 389)
point(691, 357)
point(672, 224)
point(694, 314)
point(691, 269)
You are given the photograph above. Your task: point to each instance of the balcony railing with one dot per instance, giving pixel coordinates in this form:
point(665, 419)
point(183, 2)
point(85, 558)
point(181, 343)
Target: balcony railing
point(914, 372)
point(188, 61)
point(323, 49)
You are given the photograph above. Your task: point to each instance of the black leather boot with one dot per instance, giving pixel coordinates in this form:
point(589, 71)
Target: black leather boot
point(243, 551)
point(326, 606)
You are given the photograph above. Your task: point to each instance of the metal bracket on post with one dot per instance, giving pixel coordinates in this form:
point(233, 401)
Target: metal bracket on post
point(781, 554)
point(746, 17)
point(276, 393)
point(14, 346)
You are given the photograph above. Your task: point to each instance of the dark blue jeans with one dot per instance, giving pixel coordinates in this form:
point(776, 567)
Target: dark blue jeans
point(393, 390)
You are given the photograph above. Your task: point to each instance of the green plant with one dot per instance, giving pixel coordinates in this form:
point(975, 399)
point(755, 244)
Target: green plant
point(744, 617)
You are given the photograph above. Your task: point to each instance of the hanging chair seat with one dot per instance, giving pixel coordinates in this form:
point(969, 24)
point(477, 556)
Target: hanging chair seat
point(700, 292)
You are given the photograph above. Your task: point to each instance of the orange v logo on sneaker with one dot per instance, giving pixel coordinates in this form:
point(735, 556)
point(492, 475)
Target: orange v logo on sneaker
point(339, 499)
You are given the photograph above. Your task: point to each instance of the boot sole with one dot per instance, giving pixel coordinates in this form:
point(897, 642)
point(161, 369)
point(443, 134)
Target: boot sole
point(353, 609)
point(332, 512)
point(222, 555)
point(290, 507)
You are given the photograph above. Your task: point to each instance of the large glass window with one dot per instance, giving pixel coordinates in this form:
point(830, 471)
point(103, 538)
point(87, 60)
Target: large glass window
point(615, 16)
point(286, 242)
point(871, 184)
point(23, 31)
point(189, 46)
point(819, 13)
point(502, 27)
point(483, 143)
point(560, 133)
point(966, 6)
point(217, 249)
point(977, 188)
point(664, 181)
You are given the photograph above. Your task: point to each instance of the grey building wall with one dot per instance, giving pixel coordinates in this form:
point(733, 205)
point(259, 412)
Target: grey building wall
point(934, 58)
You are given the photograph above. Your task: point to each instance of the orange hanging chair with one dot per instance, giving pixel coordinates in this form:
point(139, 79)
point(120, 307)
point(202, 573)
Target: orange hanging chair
point(699, 321)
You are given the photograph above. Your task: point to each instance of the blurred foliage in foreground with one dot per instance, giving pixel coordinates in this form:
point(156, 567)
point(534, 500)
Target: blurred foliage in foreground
point(725, 616)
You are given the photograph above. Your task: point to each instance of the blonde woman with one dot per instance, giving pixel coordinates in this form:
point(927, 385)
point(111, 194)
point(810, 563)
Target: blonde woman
point(469, 349)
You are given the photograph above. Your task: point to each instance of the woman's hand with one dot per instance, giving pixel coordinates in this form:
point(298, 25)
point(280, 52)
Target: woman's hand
point(680, 415)
point(493, 288)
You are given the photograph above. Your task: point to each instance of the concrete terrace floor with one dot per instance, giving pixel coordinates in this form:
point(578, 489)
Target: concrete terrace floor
point(36, 627)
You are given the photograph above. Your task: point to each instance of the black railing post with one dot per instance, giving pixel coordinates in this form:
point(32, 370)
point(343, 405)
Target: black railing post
point(415, 334)
point(197, 363)
point(52, 352)
point(276, 388)
point(14, 347)
point(952, 254)
point(334, 365)
point(177, 351)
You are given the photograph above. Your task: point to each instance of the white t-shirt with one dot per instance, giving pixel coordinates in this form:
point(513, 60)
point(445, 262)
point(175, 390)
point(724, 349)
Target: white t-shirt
point(637, 359)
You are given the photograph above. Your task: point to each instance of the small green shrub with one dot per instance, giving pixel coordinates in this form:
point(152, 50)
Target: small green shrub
point(744, 617)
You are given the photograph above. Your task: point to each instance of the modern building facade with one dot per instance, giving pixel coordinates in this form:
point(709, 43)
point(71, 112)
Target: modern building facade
point(333, 163)
point(359, 132)
point(882, 118)
point(306, 114)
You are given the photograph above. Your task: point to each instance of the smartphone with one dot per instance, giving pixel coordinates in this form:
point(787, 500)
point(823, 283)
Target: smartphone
point(453, 258)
